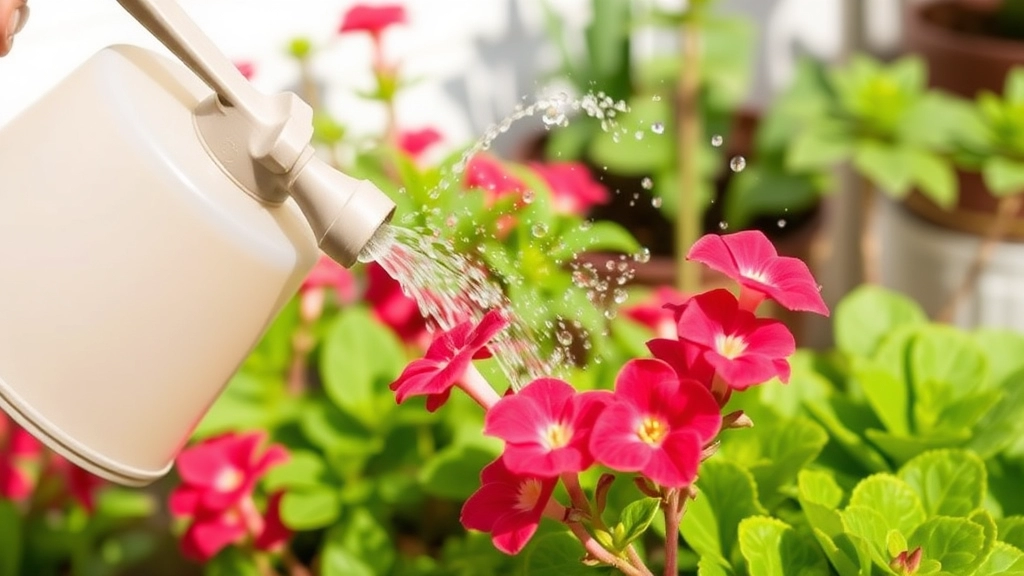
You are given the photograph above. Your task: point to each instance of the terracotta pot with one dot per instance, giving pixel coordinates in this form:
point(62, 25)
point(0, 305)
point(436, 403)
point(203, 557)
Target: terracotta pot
point(964, 57)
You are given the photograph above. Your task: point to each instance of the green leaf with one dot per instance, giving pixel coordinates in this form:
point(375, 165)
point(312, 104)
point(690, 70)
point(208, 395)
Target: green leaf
point(871, 527)
point(949, 482)
point(124, 503)
point(231, 561)
point(556, 554)
point(853, 444)
point(727, 495)
point(887, 394)
point(947, 355)
point(304, 469)
point(819, 497)
point(893, 499)
point(867, 314)
point(1005, 560)
point(712, 566)
point(310, 509)
point(957, 543)
point(934, 177)
point(1003, 176)
point(336, 432)
point(10, 527)
point(364, 537)
point(250, 401)
point(454, 472)
point(603, 235)
point(887, 166)
point(1004, 423)
point(636, 518)
point(772, 548)
point(360, 357)
point(819, 147)
point(1011, 530)
point(786, 448)
point(902, 448)
point(988, 525)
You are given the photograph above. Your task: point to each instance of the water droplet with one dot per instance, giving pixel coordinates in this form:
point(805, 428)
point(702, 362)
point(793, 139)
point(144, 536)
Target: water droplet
point(528, 196)
point(539, 230)
point(723, 225)
point(586, 224)
point(564, 338)
point(820, 287)
point(451, 221)
point(782, 223)
point(644, 255)
point(656, 98)
point(656, 201)
point(647, 183)
point(620, 295)
point(553, 116)
point(639, 135)
point(738, 163)
point(658, 128)
point(610, 313)
point(610, 265)
point(717, 140)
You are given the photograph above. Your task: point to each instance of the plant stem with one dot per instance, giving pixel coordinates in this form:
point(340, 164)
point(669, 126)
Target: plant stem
point(869, 252)
point(302, 345)
point(478, 388)
point(577, 497)
point(673, 515)
point(1006, 211)
point(688, 216)
point(599, 552)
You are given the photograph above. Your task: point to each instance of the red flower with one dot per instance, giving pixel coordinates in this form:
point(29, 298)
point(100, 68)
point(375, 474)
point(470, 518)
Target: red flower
point(326, 274)
point(81, 485)
point(446, 361)
point(486, 173)
point(248, 69)
point(372, 19)
point(574, 189)
point(393, 307)
point(686, 359)
point(657, 424)
point(744, 349)
point(415, 142)
point(750, 259)
point(659, 311)
point(274, 534)
point(546, 427)
point(17, 449)
point(509, 506)
point(218, 477)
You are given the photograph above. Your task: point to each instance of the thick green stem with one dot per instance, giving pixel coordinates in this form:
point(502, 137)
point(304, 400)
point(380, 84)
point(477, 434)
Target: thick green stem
point(689, 214)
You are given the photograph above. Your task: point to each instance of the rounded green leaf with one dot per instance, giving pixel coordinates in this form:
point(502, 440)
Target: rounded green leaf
point(636, 518)
point(1005, 560)
point(772, 548)
point(867, 314)
point(310, 509)
point(956, 543)
point(949, 482)
point(555, 554)
point(728, 494)
point(891, 497)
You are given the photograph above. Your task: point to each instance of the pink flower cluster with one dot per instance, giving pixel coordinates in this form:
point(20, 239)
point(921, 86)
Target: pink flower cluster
point(25, 465)
point(664, 412)
point(218, 478)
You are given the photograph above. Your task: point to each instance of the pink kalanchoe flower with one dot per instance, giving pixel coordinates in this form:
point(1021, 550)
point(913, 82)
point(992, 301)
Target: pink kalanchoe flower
point(392, 307)
point(744, 349)
point(658, 312)
point(574, 189)
point(18, 448)
point(750, 259)
point(486, 173)
point(446, 361)
point(546, 427)
point(685, 358)
point(657, 424)
point(372, 19)
point(217, 473)
point(80, 484)
point(509, 506)
point(248, 69)
point(274, 534)
point(416, 142)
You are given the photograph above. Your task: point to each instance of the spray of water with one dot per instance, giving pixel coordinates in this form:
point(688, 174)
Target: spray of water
point(451, 288)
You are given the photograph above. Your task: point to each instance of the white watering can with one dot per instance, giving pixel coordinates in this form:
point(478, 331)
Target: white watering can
point(154, 221)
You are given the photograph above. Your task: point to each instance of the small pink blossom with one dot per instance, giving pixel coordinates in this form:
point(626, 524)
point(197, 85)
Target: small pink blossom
point(744, 349)
point(218, 478)
point(372, 19)
point(546, 427)
point(657, 424)
point(509, 506)
point(393, 308)
point(326, 274)
point(574, 189)
point(486, 173)
point(248, 69)
point(80, 484)
point(274, 534)
point(446, 360)
point(750, 259)
point(416, 142)
point(686, 359)
point(18, 450)
point(658, 311)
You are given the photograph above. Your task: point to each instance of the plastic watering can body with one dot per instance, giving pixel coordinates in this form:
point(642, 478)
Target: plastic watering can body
point(137, 275)
point(155, 219)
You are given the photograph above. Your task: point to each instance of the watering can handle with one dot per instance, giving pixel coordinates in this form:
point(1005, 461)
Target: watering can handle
point(166, 20)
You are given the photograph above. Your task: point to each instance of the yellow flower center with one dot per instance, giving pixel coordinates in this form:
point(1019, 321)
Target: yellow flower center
point(228, 479)
point(730, 346)
point(529, 494)
point(557, 436)
point(652, 430)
